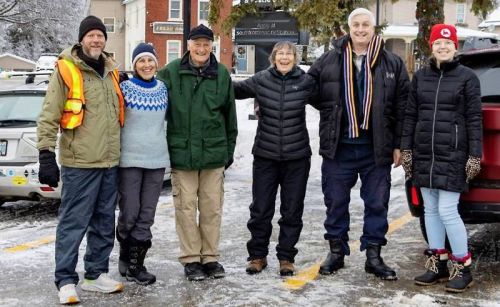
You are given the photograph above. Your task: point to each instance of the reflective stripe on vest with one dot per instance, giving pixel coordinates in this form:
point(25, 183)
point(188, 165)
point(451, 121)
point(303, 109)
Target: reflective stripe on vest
point(74, 107)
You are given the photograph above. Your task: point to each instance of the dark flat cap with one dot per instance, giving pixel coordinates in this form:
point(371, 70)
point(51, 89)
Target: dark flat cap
point(201, 31)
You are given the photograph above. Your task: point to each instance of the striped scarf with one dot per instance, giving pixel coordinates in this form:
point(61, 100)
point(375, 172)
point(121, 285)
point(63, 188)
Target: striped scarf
point(374, 48)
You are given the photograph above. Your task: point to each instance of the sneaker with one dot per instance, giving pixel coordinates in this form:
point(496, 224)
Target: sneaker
point(286, 268)
point(67, 295)
point(194, 271)
point(214, 270)
point(256, 265)
point(102, 284)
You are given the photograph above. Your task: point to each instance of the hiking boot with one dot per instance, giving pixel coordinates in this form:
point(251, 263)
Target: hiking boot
point(437, 267)
point(102, 284)
point(286, 268)
point(123, 260)
point(335, 258)
point(256, 265)
point(214, 270)
point(194, 271)
point(136, 271)
point(375, 264)
point(461, 276)
point(67, 295)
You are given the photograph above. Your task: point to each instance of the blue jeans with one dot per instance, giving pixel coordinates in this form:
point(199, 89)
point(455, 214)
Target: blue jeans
point(88, 203)
point(339, 176)
point(441, 218)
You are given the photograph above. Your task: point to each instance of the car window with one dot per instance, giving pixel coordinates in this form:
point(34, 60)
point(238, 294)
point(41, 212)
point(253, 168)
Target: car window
point(487, 68)
point(17, 108)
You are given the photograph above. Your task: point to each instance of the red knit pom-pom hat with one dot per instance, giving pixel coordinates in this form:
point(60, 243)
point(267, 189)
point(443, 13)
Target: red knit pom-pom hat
point(442, 30)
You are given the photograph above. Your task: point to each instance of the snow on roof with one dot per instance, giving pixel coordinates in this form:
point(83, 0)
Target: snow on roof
point(17, 57)
point(401, 31)
point(493, 19)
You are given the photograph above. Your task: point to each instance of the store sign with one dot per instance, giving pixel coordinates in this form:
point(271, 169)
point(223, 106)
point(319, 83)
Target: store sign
point(267, 27)
point(167, 27)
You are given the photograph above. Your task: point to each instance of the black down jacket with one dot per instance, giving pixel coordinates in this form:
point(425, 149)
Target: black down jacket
point(281, 131)
point(390, 88)
point(443, 125)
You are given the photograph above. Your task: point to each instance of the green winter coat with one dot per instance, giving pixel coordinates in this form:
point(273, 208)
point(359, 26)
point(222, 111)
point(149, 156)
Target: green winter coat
point(201, 117)
point(96, 143)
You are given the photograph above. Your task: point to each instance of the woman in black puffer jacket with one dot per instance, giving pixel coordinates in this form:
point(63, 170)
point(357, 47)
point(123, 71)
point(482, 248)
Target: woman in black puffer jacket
point(441, 149)
point(281, 155)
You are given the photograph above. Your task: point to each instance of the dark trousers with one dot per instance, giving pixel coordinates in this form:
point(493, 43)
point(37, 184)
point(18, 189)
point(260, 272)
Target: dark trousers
point(138, 190)
point(292, 177)
point(339, 176)
point(88, 202)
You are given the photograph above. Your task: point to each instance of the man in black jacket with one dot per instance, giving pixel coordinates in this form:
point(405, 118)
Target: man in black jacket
point(363, 90)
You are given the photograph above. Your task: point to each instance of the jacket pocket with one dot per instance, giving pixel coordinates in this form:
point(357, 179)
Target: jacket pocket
point(454, 136)
point(177, 147)
point(215, 150)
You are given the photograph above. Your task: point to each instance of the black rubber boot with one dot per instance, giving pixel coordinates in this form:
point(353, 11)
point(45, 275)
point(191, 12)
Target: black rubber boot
point(437, 268)
point(123, 260)
point(461, 276)
point(335, 258)
point(136, 270)
point(375, 264)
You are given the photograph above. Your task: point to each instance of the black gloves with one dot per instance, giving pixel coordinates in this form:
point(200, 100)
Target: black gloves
point(229, 162)
point(472, 167)
point(406, 156)
point(49, 171)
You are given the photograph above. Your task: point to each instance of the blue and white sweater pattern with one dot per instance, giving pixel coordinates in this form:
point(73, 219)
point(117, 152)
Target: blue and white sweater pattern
point(143, 139)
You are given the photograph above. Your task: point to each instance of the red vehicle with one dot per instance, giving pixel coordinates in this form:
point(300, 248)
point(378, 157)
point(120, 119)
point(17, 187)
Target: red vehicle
point(482, 203)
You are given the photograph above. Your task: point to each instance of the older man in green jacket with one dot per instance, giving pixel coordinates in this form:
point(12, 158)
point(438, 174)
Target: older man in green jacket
point(201, 136)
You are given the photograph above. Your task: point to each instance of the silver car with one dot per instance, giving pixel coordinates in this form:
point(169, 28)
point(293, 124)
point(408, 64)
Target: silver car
point(19, 110)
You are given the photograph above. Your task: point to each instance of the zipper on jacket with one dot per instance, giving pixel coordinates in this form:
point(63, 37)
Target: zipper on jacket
point(456, 136)
point(433, 129)
point(281, 117)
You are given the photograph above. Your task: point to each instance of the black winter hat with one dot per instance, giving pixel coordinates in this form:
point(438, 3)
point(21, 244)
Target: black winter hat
point(201, 31)
point(90, 23)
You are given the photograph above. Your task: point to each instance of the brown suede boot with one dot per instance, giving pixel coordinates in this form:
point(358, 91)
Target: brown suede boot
point(286, 268)
point(256, 265)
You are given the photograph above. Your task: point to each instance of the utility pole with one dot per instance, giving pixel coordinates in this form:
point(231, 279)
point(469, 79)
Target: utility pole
point(186, 17)
point(378, 10)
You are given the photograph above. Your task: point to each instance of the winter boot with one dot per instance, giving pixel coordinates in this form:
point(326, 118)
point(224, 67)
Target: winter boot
point(286, 268)
point(136, 270)
point(335, 258)
point(214, 270)
point(460, 277)
point(124, 259)
point(375, 264)
point(256, 265)
point(437, 267)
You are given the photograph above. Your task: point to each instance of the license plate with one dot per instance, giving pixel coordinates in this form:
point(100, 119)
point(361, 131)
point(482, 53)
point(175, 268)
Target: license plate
point(3, 148)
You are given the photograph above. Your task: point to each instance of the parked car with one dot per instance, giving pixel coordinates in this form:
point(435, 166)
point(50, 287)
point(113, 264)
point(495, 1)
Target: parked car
point(19, 110)
point(46, 61)
point(481, 204)
point(20, 107)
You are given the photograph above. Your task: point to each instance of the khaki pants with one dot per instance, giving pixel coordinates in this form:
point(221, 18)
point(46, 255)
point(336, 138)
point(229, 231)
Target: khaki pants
point(198, 191)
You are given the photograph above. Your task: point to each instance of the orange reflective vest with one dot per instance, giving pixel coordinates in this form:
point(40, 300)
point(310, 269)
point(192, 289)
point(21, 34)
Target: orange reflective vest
point(74, 107)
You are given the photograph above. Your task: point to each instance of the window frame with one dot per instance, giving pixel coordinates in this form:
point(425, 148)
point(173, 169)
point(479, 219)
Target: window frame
point(460, 6)
point(170, 10)
point(203, 21)
point(179, 54)
point(107, 25)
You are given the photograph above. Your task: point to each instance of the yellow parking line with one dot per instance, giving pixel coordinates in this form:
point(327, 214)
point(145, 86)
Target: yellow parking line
point(303, 277)
point(33, 244)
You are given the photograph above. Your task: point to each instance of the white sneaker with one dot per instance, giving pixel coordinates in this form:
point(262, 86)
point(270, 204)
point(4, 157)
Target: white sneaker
point(67, 295)
point(102, 284)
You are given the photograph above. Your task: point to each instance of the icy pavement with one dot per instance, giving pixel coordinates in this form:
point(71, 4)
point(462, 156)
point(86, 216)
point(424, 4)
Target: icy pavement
point(27, 254)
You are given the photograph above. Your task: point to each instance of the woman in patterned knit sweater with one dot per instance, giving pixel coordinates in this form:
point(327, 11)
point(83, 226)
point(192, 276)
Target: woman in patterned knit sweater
point(144, 157)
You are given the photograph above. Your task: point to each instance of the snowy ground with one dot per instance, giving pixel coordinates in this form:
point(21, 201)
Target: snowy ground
point(26, 277)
